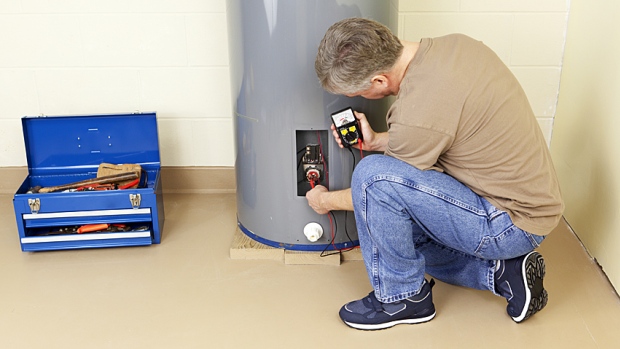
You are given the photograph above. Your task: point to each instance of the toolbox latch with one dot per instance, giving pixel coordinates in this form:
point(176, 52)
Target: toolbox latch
point(35, 205)
point(135, 200)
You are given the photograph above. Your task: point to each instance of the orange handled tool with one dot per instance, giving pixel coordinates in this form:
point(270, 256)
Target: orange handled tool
point(92, 227)
point(130, 184)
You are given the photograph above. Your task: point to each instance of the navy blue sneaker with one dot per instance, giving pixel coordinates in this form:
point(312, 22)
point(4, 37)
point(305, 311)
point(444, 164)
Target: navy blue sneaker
point(370, 314)
point(520, 281)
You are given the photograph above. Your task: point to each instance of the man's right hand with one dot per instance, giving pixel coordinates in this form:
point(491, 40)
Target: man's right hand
point(372, 141)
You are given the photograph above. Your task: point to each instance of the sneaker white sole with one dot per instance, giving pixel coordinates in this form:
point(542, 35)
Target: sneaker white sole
point(371, 327)
point(532, 270)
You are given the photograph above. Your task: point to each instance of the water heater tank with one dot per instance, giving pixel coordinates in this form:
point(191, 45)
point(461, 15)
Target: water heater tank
point(282, 120)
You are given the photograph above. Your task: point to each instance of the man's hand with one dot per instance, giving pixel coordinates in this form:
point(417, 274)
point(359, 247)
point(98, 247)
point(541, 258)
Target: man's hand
point(373, 141)
point(322, 201)
point(316, 199)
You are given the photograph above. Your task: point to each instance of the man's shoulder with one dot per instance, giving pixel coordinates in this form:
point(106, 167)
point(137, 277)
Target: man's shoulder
point(455, 38)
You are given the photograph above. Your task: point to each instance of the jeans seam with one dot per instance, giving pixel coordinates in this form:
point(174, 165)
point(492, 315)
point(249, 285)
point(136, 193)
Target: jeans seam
point(376, 284)
point(491, 281)
point(529, 236)
point(375, 270)
point(485, 240)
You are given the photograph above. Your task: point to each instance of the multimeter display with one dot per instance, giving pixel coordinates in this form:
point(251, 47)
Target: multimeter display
point(347, 127)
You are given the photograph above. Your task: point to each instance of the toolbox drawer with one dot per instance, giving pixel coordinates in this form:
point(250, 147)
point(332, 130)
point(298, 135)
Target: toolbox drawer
point(36, 238)
point(39, 214)
point(35, 220)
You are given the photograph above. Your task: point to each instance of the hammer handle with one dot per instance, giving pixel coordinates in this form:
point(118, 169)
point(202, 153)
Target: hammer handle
point(100, 180)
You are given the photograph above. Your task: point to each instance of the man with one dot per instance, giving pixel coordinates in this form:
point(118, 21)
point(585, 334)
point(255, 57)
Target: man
point(466, 188)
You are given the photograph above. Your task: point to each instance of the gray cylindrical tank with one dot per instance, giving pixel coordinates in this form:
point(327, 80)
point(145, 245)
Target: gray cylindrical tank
point(282, 113)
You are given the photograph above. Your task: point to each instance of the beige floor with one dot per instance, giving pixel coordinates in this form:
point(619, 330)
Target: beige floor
point(188, 293)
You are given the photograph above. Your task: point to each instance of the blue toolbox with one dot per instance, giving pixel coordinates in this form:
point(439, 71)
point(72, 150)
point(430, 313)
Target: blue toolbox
point(67, 202)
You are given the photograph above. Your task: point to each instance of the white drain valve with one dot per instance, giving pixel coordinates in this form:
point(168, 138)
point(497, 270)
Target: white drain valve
point(313, 231)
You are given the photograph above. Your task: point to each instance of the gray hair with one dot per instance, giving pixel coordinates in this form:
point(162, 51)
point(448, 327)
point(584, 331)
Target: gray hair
point(352, 52)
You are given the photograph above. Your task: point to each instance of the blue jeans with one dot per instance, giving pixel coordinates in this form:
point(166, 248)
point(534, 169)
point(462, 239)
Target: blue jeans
point(412, 222)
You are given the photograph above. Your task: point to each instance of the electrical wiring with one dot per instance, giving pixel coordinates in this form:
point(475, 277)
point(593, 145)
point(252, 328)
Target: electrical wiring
point(346, 231)
point(301, 158)
point(334, 228)
point(325, 169)
point(315, 178)
point(353, 156)
point(361, 149)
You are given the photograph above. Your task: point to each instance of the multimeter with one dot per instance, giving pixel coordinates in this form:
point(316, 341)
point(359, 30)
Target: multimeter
point(347, 127)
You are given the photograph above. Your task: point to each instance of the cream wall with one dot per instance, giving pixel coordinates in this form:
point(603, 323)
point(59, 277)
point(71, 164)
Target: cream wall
point(528, 35)
point(586, 141)
point(72, 57)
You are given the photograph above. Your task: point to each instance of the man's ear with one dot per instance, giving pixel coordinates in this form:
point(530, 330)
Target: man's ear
point(380, 81)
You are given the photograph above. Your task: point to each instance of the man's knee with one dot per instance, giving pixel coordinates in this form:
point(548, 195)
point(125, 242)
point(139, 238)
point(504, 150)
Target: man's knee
point(375, 166)
point(370, 166)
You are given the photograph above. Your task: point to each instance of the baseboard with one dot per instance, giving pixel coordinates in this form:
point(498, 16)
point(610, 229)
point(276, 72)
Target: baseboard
point(12, 178)
point(201, 180)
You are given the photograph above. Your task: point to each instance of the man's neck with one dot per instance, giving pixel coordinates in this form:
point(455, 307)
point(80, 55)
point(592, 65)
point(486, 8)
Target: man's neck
point(399, 70)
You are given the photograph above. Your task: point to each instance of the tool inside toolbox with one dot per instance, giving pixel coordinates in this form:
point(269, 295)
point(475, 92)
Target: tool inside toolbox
point(90, 228)
point(109, 177)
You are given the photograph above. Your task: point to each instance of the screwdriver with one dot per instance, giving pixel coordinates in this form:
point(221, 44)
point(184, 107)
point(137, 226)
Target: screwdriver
point(92, 227)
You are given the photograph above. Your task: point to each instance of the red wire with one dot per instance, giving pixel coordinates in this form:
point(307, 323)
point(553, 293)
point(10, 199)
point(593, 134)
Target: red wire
point(361, 148)
point(312, 184)
point(331, 227)
point(318, 136)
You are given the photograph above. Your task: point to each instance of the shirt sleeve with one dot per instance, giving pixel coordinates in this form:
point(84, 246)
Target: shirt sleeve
point(418, 146)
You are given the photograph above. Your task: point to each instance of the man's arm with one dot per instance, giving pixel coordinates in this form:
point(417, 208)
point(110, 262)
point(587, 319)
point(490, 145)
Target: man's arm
point(322, 201)
point(379, 142)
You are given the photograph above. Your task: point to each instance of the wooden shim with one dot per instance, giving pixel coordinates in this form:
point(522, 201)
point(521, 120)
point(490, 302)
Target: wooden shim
point(310, 258)
point(353, 255)
point(244, 247)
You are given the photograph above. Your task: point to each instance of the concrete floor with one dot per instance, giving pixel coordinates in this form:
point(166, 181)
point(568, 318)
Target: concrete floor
point(188, 293)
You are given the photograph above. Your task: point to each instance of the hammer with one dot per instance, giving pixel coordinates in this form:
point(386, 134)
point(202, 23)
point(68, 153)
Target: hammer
point(127, 176)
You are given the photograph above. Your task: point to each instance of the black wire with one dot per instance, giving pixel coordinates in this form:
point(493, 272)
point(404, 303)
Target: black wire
point(353, 155)
point(323, 254)
point(299, 162)
point(301, 158)
point(346, 230)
